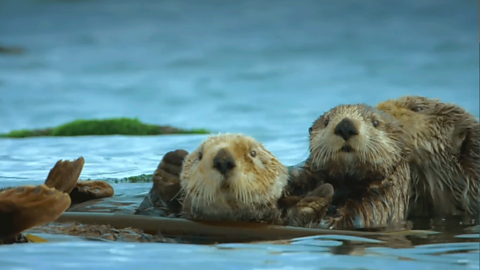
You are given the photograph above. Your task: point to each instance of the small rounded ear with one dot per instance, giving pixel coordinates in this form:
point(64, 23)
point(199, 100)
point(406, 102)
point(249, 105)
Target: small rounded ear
point(465, 136)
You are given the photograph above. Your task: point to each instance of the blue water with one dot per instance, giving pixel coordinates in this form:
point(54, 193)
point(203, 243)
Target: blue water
point(264, 68)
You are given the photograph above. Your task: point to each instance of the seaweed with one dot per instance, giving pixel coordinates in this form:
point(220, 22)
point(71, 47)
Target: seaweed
point(111, 126)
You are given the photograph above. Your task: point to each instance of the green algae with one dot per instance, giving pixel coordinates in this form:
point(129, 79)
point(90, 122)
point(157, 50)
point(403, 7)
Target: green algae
point(112, 126)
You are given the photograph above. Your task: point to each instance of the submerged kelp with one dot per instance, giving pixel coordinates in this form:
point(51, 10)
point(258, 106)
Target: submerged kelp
point(112, 126)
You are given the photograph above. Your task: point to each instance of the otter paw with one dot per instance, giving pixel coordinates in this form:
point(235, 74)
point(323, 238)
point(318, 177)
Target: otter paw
point(90, 190)
point(316, 203)
point(25, 207)
point(167, 176)
point(64, 175)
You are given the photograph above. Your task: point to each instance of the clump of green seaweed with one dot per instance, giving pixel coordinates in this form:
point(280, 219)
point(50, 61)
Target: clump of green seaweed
point(112, 126)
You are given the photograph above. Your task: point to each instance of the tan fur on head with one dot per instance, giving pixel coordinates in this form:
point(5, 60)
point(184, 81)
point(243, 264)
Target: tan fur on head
point(378, 147)
point(445, 160)
point(257, 180)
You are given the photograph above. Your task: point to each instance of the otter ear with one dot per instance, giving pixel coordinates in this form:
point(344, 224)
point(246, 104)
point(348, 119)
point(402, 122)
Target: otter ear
point(464, 135)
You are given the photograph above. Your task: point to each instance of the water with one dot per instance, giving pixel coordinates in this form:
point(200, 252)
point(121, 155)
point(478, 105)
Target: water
point(264, 68)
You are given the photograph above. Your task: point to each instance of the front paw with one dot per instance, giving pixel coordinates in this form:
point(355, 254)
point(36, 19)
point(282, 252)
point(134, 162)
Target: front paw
point(313, 207)
point(167, 176)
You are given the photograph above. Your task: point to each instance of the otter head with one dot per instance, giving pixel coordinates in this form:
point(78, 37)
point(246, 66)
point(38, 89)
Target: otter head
point(232, 170)
point(356, 140)
point(435, 127)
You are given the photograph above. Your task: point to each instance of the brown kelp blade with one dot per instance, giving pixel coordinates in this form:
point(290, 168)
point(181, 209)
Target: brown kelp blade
point(197, 231)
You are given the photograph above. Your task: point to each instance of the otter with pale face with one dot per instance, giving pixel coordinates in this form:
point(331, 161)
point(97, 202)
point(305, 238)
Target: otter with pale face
point(232, 177)
point(445, 158)
point(362, 153)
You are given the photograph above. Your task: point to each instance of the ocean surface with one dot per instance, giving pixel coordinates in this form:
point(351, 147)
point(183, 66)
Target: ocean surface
point(263, 68)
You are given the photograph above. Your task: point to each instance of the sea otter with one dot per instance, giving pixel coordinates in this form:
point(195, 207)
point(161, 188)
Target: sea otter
point(363, 153)
point(233, 177)
point(445, 158)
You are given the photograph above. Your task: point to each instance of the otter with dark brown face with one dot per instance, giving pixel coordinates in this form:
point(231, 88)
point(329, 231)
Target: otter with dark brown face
point(362, 153)
point(445, 158)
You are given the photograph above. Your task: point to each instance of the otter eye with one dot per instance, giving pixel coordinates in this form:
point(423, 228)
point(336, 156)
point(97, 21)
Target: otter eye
point(375, 123)
point(326, 122)
point(417, 109)
point(253, 153)
point(310, 130)
point(200, 155)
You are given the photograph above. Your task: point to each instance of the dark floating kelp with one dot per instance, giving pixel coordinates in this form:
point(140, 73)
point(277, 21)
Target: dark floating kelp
point(112, 126)
point(142, 178)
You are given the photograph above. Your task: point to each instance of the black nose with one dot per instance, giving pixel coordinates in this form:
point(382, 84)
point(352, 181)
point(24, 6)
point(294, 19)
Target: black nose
point(223, 161)
point(346, 129)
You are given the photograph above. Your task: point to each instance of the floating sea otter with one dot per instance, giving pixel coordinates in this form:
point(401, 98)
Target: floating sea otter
point(363, 153)
point(231, 177)
point(445, 160)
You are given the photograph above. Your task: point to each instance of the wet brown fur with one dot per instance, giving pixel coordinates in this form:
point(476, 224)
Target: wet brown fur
point(445, 158)
point(164, 196)
point(371, 182)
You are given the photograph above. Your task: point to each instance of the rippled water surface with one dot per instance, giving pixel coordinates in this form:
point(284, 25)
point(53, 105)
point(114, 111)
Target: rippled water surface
point(264, 68)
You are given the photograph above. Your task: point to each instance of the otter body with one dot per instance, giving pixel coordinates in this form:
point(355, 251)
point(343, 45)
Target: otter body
point(445, 155)
point(230, 177)
point(363, 154)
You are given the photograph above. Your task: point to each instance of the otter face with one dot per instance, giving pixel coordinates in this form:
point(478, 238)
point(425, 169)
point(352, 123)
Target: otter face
point(233, 170)
point(433, 125)
point(356, 140)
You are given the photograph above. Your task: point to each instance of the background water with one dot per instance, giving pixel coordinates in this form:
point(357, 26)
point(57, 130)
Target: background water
point(264, 68)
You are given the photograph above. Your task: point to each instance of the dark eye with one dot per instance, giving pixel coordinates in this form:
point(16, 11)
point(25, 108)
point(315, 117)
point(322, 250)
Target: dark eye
point(417, 109)
point(200, 155)
point(375, 123)
point(326, 122)
point(253, 153)
point(310, 130)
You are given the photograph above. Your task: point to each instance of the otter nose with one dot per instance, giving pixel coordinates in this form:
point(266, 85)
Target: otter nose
point(223, 161)
point(346, 129)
